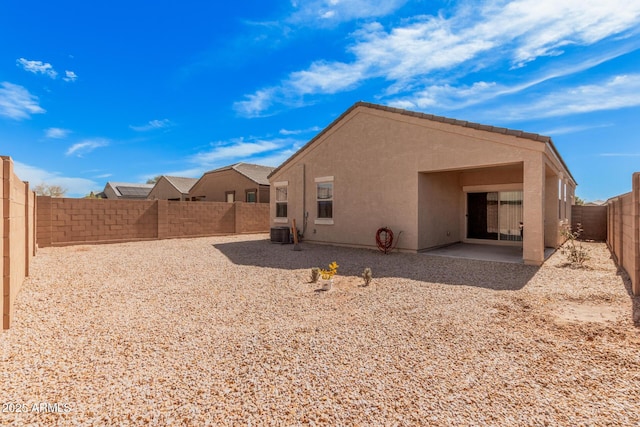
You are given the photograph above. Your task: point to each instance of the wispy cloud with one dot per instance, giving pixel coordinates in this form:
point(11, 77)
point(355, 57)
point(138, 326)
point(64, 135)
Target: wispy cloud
point(86, 146)
point(57, 133)
point(449, 96)
point(37, 67)
point(573, 129)
point(44, 68)
point(253, 150)
point(322, 13)
point(299, 131)
point(614, 93)
point(619, 154)
point(17, 103)
point(70, 76)
point(470, 39)
point(76, 187)
point(152, 125)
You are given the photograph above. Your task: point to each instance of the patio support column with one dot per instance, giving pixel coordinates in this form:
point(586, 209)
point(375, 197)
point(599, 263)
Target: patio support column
point(534, 210)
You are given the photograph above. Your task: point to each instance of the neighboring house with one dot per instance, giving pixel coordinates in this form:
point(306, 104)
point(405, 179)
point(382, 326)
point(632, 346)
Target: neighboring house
point(171, 188)
point(126, 190)
point(240, 182)
point(438, 180)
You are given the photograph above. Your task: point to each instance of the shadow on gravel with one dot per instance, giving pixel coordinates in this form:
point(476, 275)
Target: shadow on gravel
point(421, 267)
point(635, 300)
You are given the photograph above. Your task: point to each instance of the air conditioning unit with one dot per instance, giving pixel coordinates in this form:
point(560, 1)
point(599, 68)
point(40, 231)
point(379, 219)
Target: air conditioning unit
point(280, 235)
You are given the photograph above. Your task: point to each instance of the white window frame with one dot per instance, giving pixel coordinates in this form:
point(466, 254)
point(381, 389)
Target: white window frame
point(281, 219)
point(321, 180)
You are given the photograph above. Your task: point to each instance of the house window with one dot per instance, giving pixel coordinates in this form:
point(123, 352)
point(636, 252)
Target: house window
point(324, 200)
point(559, 199)
point(251, 196)
point(565, 202)
point(281, 199)
point(230, 196)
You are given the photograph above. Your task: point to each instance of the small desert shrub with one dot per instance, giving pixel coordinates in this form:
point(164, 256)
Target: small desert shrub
point(576, 254)
point(330, 272)
point(315, 274)
point(367, 276)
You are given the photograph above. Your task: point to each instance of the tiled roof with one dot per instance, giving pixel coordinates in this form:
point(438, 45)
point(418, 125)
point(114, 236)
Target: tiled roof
point(257, 173)
point(181, 184)
point(128, 190)
point(478, 126)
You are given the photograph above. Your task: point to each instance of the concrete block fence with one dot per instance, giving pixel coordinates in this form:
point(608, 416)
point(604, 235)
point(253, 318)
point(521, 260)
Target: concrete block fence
point(623, 234)
point(17, 232)
point(65, 221)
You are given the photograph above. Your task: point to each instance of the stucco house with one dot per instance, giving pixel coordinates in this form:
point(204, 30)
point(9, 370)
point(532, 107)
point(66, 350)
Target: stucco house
point(172, 188)
point(240, 182)
point(126, 190)
point(438, 180)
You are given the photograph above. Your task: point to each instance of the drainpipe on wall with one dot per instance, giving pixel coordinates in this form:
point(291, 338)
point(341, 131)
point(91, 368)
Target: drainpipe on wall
point(304, 199)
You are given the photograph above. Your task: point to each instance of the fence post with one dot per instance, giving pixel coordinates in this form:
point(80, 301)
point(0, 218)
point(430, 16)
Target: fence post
point(162, 218)
point(4, 244)
point(237, 208)
point(635, 224)
point(27, 206)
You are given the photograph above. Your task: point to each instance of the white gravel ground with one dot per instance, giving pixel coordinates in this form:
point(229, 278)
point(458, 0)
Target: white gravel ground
point(228, 331)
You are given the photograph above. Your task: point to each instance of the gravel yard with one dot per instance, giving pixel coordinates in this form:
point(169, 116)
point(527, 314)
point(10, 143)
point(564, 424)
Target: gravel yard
point(229, 331)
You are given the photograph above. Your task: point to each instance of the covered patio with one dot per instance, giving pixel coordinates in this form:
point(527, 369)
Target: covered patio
point(484, 252)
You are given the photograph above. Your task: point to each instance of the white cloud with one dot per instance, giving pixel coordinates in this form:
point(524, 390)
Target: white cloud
point(86, 146)
point(255, 105)
point(330, 12)
point(269, 152)
point(70, 76)
point(327, 78)
point(57, 133)
point(76, 187)
point(614, 93)
point(17, 103)
point(299, 131)
point(619, 155)
point(572, 129)
point(448, 97)
point(152, 125)
point(37, 67)
point(472, 38)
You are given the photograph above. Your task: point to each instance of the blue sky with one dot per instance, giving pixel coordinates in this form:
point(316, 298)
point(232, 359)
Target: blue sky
point(92, 92)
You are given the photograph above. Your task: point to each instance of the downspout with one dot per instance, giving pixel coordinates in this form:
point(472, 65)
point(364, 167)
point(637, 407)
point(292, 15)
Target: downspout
point(304, 200)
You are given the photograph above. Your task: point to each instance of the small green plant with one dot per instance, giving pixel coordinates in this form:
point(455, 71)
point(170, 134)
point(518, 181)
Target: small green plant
point(367, 276)
point(576, 254)
point(315, 274)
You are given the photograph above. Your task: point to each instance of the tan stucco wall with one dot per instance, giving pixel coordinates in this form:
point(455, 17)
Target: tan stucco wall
point(441, 191)
point(383, 165)
point(213, 187)
point(164, 190)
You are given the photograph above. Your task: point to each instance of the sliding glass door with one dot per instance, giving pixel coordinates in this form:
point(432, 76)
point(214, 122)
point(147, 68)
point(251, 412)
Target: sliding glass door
point(494, 215)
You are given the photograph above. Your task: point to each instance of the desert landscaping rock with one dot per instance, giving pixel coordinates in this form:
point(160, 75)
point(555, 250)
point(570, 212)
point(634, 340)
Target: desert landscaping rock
point(229, 331)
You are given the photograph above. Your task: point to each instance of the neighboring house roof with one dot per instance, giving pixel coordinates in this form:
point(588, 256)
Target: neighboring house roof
point(500, 130)
point(256, 173)
point(181, 184)
point(127, 190)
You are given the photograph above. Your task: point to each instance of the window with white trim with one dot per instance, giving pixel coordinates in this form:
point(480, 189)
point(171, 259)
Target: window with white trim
point(324, 198)
point(281, 199)
point(559, 199)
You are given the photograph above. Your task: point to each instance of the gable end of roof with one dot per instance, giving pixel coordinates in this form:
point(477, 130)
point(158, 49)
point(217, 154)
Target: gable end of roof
point(441, 119)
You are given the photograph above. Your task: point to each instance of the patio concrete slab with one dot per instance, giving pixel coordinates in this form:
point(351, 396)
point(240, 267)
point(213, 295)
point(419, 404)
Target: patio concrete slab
point(510, 254)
